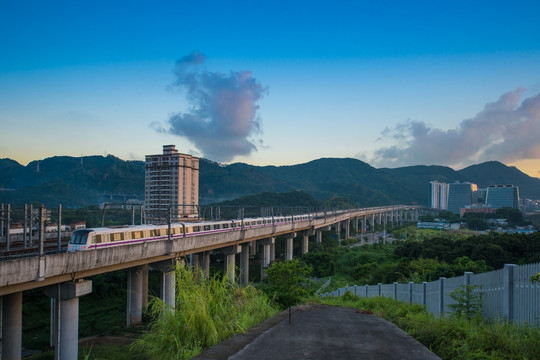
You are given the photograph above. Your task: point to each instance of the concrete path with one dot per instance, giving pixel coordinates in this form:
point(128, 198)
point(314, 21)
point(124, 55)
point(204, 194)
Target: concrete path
point(321, 332)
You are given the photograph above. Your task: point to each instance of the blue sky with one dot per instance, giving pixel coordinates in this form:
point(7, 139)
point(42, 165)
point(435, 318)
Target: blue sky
point(392, 83)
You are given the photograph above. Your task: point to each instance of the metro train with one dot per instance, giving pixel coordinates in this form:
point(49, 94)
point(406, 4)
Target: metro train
point(98, 238)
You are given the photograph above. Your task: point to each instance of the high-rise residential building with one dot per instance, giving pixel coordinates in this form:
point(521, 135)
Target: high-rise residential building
point(171, 181)
point(434, 195)
point(460, 195)
point(438, 195)
point(498, 196)
point(443, 196)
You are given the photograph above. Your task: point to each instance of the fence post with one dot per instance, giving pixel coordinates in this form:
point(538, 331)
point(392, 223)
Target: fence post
point(367, 290)
point(8, 226)
point(410, 291)
point(395, 290)
point(59, 244)
point(467, 283)
point(508, 291)
point(354, 289)
point(441, 296)
point(379, 288)
point(424, 293)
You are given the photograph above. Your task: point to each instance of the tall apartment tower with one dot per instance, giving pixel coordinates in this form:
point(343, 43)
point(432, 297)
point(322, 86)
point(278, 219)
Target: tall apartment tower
point(460, 195)
point(171, 181)
point(498, 196)
point(434, 195)
point(439, 195)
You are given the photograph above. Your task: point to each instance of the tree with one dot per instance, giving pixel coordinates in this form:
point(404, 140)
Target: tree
point(288, 281)
point(468, 302)
point(476, 223)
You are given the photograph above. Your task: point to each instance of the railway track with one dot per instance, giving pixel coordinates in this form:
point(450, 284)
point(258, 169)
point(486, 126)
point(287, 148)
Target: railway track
point(18, 250)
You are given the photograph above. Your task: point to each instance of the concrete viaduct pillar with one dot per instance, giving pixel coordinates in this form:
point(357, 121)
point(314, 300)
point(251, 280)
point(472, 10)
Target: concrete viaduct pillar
point(204, 261)
point(11, 326)
point(66, 316)
point(364, 219)
point(244, 264)
point(168, 281)
point(318, 236)
point(305, 242)
point(265, 256)
point(289, 246)
point(347, 229)
point(355, 225)
point(195, 265)
point(134, 296)
point(372, 222)
point(230, 261)
point(144, 285)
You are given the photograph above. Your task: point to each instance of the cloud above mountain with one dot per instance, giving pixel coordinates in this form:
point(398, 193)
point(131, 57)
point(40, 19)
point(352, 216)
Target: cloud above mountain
point(222, 118)
point(506, 130)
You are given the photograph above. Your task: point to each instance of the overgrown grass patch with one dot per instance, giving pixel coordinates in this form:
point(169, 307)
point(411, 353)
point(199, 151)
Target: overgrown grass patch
point(208, 311)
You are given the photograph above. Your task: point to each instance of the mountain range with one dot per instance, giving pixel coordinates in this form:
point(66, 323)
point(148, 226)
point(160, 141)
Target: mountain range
point(80, 181)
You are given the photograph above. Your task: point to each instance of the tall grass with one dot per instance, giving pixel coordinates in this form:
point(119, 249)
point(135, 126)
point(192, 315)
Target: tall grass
point(453, 337)
point(207, 312)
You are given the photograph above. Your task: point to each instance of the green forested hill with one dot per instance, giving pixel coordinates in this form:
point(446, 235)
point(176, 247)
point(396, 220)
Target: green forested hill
point(77, 181)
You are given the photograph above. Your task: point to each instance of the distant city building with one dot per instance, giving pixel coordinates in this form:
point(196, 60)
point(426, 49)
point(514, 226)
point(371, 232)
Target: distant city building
point(171, 182)
point(479, 197)
point(460, 195)
point(480, 209)
point(498, 196)
point(434, 195)
point(439, 195)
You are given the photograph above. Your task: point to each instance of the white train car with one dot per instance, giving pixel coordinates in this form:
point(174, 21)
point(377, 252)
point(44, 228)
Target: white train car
point(97, 238)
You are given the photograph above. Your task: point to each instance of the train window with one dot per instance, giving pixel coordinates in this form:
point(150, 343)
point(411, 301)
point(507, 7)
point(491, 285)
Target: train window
point(225, 226)
point(117, 236)
point(196, 228)
point(97, 239)
point(136, 234)
point(206, 227)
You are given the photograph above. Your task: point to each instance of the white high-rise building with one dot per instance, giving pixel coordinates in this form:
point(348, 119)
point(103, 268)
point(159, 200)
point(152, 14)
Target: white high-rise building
point(438, 195)
point(171, 181)
point(443, 196)
point(434, 198)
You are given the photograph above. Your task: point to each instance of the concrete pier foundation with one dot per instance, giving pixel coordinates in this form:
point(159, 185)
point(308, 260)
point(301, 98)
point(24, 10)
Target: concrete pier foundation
point(318, 236)
point(11, 326)
point(230, 259)
point(289, 246)
point(305, 243)
point(134, 296)
point(265, 256)
point(244, 264)
point(204, 261)
point(66, 316)
point(144, 269)
point(168, 281)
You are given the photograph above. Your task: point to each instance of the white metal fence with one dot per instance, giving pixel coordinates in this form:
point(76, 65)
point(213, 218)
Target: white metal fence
point(507, 293)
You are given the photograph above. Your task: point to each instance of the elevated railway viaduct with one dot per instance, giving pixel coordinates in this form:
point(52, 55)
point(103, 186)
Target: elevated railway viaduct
point(62, 276)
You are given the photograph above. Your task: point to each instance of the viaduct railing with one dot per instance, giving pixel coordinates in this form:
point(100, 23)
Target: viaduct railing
point(507, 293)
